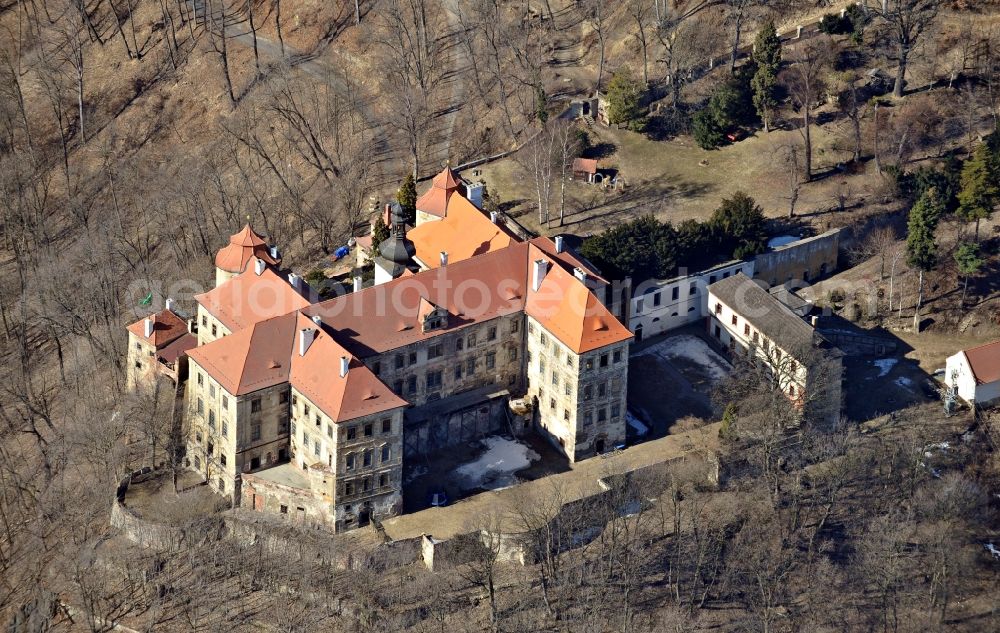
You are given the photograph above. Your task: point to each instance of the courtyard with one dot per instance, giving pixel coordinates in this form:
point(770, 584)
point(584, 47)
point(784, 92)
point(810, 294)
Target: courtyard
point(671, 379)
point(491, 463)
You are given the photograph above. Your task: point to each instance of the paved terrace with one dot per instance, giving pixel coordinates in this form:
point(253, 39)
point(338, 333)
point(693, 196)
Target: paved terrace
point(582, 481)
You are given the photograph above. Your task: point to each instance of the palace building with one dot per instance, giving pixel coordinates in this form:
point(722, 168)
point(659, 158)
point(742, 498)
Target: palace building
point(311, 409)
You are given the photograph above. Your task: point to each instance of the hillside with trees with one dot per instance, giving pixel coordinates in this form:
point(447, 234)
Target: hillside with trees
point(136, 135)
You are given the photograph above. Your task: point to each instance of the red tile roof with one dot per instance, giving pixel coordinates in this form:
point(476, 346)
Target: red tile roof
point(566, 259)
point(585, 165)
point(243, 246)
point(317, 376)
point(985, 362)
point(566, 308)
point(463, 233)
point(436, 200)
point(249, 298)
point(266, 354)
point(250, 359)
point(172, 351)
point(385, 317)
point(167, 327)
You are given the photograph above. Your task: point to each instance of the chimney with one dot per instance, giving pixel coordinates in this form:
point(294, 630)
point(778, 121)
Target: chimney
point(358, 283)
point(306, 336)
point(295, 280)
point(814, 321)
point(559, 243)
point(171, 304)
point(344, 363)
point(540, 268)
point(494, 217)
point(317, 319)
point(275, 255)
point(474, 193)
point(580, 274)
point(258, 266)
point(148, 326)
point(444, 258)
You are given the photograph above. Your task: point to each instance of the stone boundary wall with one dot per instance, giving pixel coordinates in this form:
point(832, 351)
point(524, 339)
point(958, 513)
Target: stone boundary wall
point(812, 257)
point(370, 548)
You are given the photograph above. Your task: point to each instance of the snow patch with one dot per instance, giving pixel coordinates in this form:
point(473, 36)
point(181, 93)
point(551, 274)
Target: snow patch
point(904, 382)
point(495, 468)
point(885, 365)
point(782, 240)
point(992, 549)
point(640, 429)
point(693, 349)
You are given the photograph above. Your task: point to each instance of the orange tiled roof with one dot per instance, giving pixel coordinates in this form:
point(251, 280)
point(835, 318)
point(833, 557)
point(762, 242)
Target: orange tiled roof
point(463, 233)
point(243, 246)
point(267, 354)
point(585, 165)
point(167, 327)
point(566, 259)
point(565, 307)
point(249, 298)
point(250, 359)
point(985, 362)
point(385, 317)
point(435, 201)
point(177, 348)
point(317, 376)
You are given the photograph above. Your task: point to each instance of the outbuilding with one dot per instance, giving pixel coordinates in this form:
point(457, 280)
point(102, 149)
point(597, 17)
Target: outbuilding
point(974, 374)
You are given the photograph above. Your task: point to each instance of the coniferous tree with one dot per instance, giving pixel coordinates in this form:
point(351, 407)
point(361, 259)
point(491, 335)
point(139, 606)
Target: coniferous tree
point(969, 262)
point(767, 57)
point(921, 245)
point(407, 198)
point(979, 192)
point(624, 97)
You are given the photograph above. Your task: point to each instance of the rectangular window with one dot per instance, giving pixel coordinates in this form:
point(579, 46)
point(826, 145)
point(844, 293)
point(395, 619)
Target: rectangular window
point(602, 389)
point(211, 391)
point(491, 333)
point(349, 489)
point(541, 366)
point(369, 429)
point(283, 398)
point(255, 432)
point(434, 379)
point(213, 330)
point(491, 360)
point(617, 356)
point(204, 320)
point(399, 361)
point(411, 385)
point(305, 410)
point(531, 327)
point(735, 320)
point(383, 480)
point(514, 327)
point(211, 419)
point(555, 378)
point(568, 389)
point(387, 425)
point(458, 372)
point(604, 360)
point(512, 353)
point(566, 415)
point(746, 329)
point(293, 428)
point(718, 308)
point(569, 360)
point(693, 290)
point(589, 364)
point(201, 379)
point(602, 414)
point(675, 293)
point(470, 367)
point(588, 392)
point(386, 453)
point(435, 351)
point(366, 459)
point(552, 403)
point(225, 402)
point(459, 344)
point(225, 429)
point(255, 405)
point(201, 406)
point(352, 432)
point(588, 418)
point(316, 448)
point(329, 430)
point(349, 462)
point(319, 421)
point(222, 458)
point(544, 339)
point(413, 358)
point(305, 440)
point(616, 410)
point(472, 339)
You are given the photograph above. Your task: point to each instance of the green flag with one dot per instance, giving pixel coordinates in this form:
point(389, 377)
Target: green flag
point(148, 300)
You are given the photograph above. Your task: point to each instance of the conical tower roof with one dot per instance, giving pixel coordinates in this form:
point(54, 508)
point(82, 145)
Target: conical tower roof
point(243, 246)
